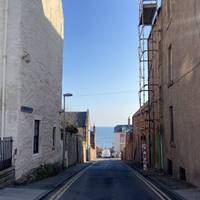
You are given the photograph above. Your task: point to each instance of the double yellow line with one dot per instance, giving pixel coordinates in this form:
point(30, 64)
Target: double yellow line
point(64, 188)
point(155, 189)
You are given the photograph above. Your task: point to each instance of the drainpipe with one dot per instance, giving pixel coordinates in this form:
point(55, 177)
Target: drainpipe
point(4, 71)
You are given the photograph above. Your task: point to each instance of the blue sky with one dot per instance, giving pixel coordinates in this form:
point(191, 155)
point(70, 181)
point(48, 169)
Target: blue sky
point(100, 58)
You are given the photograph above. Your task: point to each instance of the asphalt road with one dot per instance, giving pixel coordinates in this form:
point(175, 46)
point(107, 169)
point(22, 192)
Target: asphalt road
point(107, 180)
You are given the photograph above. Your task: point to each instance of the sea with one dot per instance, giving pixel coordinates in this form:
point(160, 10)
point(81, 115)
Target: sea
point(104, 137)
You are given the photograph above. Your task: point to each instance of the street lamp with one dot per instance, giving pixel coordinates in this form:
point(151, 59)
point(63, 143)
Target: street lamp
point(64, 136)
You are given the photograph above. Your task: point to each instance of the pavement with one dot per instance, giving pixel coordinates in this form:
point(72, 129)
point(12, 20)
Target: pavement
point(172, 186)
point(40, 189)
point(107, 180)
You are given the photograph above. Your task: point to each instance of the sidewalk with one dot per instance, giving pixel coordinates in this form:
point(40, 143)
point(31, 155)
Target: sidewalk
point(176, 189)
point(39, 189)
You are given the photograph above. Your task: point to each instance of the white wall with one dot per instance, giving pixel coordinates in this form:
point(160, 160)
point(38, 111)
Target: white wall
point(33, 31)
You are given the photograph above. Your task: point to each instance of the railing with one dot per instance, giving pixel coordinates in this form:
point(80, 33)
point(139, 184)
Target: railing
point(5, 153)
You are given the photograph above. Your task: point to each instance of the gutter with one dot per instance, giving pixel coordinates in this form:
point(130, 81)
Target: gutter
point(4, 71)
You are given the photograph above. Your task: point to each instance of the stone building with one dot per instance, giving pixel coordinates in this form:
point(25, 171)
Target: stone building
point(119, 142)
point(81, 121)
point(93, 151)
point(141, 133)
point(31, 48)
point(177, 62)
point(128, 149)
point(155, 89)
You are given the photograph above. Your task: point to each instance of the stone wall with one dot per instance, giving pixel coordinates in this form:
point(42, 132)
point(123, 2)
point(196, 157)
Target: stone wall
point(33, 79)
point(140, 128)
point(181, 31)
point(128, 150)
point(74, 147)
point(93, 154)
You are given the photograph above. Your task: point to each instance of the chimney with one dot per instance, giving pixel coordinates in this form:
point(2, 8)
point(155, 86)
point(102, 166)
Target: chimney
point(129, 121)
point(94, 129)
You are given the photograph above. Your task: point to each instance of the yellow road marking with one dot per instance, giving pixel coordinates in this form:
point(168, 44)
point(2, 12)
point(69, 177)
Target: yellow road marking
point(155, 189)
point(64, 188)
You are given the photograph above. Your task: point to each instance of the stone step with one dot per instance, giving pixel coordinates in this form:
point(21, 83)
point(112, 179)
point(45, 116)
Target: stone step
point(7, 177)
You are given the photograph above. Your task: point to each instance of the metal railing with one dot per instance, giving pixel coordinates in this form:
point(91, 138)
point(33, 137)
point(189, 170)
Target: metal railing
point(5, 153)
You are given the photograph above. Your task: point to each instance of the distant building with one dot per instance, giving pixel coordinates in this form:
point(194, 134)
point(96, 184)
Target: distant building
point(141, 132)
point(31, 51)
point(128, 150)
point(120, 132)
point(81, 120)
point(93, 151)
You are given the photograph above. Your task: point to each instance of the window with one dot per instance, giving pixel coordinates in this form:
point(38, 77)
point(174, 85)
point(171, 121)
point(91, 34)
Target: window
point(170, 72)
point(61, 133)
point(171, 118)
point(36, 136)
point(54, 136)
point(182, 173)
point(169, 9)
point(169, 167)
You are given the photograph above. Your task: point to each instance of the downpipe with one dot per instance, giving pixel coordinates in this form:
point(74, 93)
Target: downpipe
point(4, 71)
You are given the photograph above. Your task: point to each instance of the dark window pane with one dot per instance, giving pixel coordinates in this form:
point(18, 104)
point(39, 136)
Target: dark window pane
point(36, 136)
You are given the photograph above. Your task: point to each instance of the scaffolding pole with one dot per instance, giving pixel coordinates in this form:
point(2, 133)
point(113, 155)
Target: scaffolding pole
point(147, 13)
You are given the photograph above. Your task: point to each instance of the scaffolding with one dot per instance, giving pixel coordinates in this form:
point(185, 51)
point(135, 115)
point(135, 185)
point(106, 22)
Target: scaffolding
point(147, 13)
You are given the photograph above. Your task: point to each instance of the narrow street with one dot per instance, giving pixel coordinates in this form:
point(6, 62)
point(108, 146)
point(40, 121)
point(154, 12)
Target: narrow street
point(106, 180)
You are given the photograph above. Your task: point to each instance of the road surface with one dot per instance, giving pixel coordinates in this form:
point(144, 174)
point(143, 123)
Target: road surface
point(106, 180)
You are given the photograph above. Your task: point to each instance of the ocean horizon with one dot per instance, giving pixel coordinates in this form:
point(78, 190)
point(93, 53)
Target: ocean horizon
point(104, 137)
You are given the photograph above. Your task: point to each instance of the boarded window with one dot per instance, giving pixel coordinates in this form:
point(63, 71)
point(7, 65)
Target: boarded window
point(169, 167)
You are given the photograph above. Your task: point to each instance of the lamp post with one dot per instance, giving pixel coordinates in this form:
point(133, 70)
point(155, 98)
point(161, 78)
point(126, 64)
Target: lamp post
point(64, 133)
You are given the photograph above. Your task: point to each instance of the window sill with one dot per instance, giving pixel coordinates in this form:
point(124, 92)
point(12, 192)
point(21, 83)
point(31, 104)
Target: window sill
point(36, 155)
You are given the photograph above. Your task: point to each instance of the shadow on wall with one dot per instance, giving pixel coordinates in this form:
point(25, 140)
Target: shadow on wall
point(41, 32)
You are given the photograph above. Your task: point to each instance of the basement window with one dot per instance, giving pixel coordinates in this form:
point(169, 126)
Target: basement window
point(169, 167)
point(182, 173)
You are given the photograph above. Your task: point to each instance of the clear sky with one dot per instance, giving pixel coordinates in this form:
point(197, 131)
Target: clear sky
point(101, 58)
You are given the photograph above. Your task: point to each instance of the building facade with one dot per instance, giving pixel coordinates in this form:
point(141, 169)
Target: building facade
point(93, 151)
point(119, 142)
point(141, 133)
point(81, 121)
point(31, 47)
point(180, 88)
point(174, 64)
point(128, 150)
point(155, 92)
